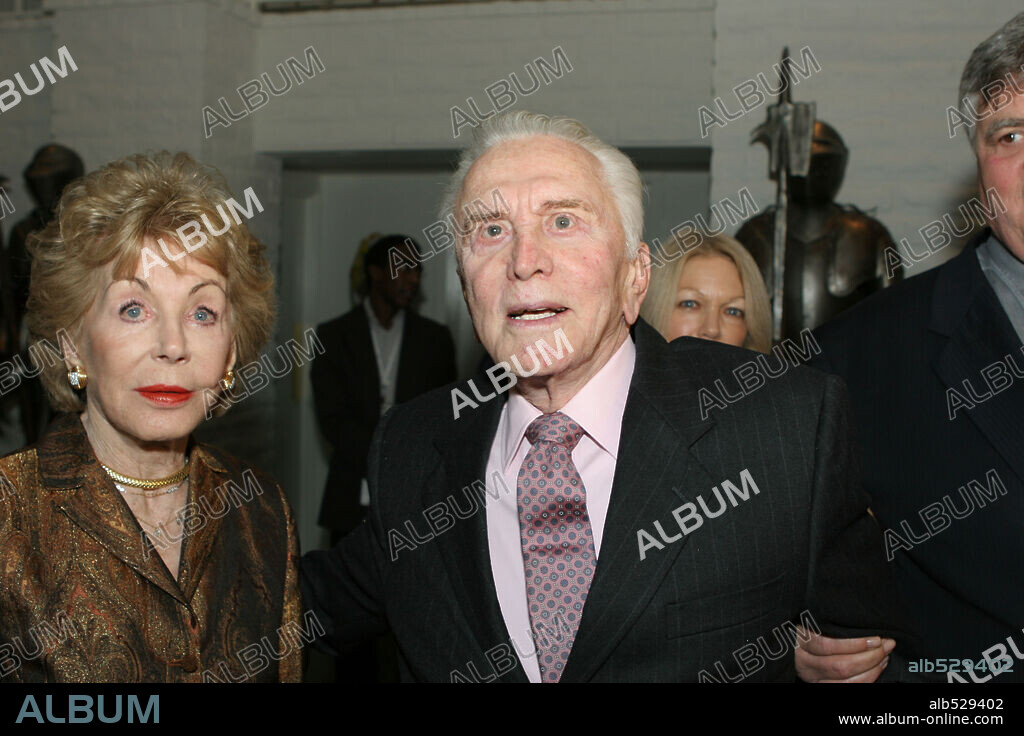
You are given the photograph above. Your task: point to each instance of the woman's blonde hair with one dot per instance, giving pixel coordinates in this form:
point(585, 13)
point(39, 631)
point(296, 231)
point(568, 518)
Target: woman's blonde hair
point(661, 295)
point(104, 217)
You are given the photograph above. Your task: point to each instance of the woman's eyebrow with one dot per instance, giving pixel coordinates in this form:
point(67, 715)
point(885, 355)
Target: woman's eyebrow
point(135, 279)
point(201, 284)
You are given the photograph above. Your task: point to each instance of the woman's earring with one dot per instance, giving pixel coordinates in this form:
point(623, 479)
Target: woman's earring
point(228, 382)
point(77, 378)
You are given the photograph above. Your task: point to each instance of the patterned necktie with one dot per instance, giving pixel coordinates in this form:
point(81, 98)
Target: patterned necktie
point(558, 544)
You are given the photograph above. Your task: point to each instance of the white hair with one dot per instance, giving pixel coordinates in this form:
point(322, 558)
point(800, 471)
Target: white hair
point(619, 173)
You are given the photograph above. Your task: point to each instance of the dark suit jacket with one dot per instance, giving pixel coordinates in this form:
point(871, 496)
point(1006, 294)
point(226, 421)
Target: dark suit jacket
point(899, 352)
point(804, 543)
point(346, 395)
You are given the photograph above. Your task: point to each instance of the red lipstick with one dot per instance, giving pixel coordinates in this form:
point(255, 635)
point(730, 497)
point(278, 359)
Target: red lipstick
point(164, 395)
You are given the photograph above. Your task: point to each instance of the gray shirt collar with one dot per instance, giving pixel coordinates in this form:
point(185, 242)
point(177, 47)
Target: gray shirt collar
point(1005, 273)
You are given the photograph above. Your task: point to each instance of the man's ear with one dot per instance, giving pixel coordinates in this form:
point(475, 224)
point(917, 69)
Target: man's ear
point(638, 281)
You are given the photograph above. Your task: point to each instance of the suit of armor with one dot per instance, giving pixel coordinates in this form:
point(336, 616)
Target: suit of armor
point(835, 254)
point(53, 167)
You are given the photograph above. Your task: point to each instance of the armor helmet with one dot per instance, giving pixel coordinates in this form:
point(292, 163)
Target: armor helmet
point(829, 155)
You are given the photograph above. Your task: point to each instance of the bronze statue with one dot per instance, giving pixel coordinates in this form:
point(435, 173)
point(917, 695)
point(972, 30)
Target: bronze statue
point(829, 256)
point(52, 168)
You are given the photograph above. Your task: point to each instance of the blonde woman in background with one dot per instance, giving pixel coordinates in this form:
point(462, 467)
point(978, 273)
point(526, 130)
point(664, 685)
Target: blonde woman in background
point(713, 291)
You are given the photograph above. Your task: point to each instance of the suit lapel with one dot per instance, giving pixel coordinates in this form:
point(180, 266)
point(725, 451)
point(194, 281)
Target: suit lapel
point(207, 493)
point(362, 344)
point(966, 309)
point(655, 473)
point(463, 547)
point(82, 491)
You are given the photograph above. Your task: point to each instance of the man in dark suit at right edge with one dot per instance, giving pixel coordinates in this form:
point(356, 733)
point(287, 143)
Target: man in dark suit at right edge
point(935, 369)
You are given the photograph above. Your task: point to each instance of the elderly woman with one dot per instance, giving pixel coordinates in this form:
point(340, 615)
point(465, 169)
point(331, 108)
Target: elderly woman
point(130, 552)
point(713, 291)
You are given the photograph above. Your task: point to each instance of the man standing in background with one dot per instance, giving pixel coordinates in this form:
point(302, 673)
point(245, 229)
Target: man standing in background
point(379, 354)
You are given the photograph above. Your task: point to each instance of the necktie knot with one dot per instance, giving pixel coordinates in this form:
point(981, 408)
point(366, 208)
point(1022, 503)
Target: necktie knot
point(556, 428)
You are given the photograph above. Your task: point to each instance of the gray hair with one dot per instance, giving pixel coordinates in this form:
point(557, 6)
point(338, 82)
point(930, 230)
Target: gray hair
point(620, 174)
point(995, 62)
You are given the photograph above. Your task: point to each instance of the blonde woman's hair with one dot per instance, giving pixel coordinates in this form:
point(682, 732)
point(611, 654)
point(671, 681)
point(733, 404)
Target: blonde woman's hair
point(661, 295)
point(104, 217)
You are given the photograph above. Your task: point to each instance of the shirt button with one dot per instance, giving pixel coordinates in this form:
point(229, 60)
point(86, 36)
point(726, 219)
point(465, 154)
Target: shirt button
point(190, 663)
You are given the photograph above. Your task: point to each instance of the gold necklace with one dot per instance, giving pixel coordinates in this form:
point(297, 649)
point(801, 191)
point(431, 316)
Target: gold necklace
point(150, 494)
point(148, 484)
point(160, 527)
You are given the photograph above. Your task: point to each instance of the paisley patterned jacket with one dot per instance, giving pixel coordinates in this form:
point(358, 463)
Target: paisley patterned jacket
point(84, 596)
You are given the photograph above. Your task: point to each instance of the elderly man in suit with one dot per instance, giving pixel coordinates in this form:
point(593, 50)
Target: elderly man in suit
point(592, 523)
point(936, 370)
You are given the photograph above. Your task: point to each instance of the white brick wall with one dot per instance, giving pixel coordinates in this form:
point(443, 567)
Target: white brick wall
point(392, 75)
point(642, 69)
point(139, 78)
point(25, 127)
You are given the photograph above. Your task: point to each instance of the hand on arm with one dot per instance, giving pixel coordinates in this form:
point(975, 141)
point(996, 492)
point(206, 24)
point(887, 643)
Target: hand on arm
point(824, 659)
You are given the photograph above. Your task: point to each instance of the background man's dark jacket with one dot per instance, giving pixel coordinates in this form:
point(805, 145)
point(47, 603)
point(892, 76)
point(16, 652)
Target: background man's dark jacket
point(346, 395)
point(803, 543)
point(900, 352)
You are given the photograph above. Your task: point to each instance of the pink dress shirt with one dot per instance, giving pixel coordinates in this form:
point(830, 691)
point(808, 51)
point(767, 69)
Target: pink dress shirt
point(598, 409)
